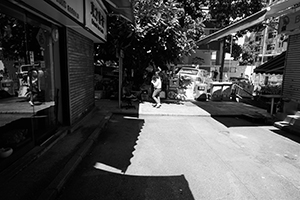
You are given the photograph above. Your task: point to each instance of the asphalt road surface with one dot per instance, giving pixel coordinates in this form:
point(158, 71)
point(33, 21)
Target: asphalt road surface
point(179, 157)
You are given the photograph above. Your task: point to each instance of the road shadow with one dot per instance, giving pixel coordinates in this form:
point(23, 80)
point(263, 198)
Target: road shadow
point(101, 174)
point(286, 134)
point(100, 184)
point(117, 140)
point(234, 114)
point(240, 121)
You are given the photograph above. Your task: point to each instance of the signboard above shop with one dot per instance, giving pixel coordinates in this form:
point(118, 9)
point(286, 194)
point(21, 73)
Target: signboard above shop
point(89, 14)
point(71, 7)
point(96, 18)
point(87, 17)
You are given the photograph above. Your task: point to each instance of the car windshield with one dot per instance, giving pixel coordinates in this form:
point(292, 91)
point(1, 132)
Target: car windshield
point(189, 71)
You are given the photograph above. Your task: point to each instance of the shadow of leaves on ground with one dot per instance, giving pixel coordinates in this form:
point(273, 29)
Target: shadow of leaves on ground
point(116, 142)
point(101, 173)
point(111, 186)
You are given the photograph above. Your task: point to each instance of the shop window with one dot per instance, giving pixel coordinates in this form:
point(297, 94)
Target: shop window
point(27, 86)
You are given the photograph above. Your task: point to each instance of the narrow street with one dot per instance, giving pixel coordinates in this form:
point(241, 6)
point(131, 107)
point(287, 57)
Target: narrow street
point(188, 157)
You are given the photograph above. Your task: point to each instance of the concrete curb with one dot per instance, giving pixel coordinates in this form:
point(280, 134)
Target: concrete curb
point(51, 192)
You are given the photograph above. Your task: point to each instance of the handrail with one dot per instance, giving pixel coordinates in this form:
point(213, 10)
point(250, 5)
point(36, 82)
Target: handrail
point(241, 88)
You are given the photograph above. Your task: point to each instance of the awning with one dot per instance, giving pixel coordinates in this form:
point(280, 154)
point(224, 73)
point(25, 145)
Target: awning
point(121, 7)
point(273, 66)
point(275, 10)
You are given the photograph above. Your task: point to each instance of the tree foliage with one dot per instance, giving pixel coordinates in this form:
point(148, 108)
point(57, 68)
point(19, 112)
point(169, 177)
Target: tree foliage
point(226, 12)
point(164, 30)
point(232, 47)
point(248, 55)
point(12, 38)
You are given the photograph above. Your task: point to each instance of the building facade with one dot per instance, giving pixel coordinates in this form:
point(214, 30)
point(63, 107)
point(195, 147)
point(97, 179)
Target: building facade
point(46, 68)
point(267, 43)
point(290, 92)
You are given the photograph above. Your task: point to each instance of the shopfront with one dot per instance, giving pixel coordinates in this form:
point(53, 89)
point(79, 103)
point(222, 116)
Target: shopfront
point(46, 68)
point(289, 25)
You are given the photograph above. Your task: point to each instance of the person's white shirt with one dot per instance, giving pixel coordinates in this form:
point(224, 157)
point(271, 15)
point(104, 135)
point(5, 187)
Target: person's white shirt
point(157, 83)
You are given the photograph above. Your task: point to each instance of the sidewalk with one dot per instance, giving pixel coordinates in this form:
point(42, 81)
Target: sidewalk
point(44, 170)
point(42, 173)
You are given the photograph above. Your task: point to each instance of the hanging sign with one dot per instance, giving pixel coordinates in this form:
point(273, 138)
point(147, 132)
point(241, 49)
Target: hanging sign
point(96, 18)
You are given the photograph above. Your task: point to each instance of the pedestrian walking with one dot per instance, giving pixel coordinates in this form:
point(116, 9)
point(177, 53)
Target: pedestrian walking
point(157, 84)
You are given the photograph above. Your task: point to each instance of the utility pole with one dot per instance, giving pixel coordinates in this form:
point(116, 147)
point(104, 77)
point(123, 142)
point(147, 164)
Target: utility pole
point(264, 39)
point(222, 54)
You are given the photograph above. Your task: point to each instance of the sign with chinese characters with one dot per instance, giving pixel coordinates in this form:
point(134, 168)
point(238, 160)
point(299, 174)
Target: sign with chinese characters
point(96, 18)
point(73, 8)
point(289, 23)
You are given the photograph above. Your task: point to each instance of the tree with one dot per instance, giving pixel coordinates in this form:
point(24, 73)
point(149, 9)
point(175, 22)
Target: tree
point(163, 31)
point(248, 56)
point(12, 38)
point(232, 47)
point(120, 34)
point(226, 12)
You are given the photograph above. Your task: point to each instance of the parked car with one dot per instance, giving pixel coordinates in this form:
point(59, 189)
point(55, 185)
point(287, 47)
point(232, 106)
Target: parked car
point(194, 74)
point(239, 80)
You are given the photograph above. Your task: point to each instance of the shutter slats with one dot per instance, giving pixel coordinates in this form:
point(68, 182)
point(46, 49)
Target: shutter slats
point(81, 74)
point(291, 83)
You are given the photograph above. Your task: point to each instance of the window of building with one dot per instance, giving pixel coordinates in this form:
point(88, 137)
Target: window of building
point(257, 49)
point(270, 47)
point(258, 38)
point(272, 34)
point(258, 59)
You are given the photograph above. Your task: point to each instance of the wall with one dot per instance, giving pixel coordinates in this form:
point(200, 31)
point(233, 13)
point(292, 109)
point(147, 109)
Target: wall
point(291, 86)
point(81, 74)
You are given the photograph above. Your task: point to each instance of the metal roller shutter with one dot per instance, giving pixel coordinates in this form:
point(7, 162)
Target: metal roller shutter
point(291, 83)
point(81, 74)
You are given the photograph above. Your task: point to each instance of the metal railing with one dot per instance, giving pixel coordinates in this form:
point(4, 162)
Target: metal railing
point(237, 90)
